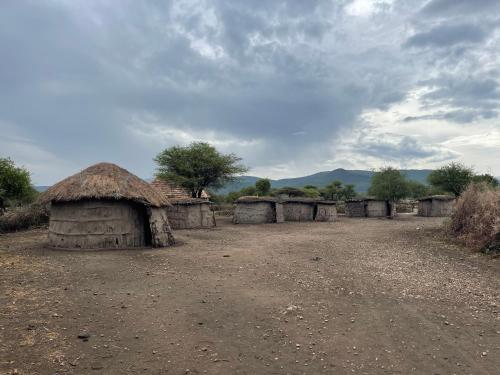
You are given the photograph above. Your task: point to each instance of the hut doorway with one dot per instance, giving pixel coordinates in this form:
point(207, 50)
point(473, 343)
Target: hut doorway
point(144, 215)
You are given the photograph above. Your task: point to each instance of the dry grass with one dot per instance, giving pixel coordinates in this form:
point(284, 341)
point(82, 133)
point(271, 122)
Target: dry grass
point(104, 181)
point(24, 218)
point(476, 220)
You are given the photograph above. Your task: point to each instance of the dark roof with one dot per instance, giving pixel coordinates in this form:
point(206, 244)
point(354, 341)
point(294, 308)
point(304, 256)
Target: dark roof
point(254, 199)
point(438, 198)
point(189, 201)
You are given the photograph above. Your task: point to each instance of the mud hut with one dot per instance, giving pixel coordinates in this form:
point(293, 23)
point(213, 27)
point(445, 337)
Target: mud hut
point(299, 209)
point(106, 207)
point(258, 210)
point(355, 208)
point(190, 213)
point(325, 211)
point(369, 207)
point(436, 205)
point(174, 191)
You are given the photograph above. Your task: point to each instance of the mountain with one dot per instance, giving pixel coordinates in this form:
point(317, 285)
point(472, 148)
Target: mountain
point(359, 178)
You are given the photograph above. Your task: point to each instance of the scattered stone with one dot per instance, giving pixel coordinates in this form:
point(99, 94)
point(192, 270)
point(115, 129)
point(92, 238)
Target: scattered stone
point(84, 336)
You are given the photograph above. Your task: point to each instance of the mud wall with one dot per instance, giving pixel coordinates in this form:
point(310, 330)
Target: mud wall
point(99, 224)
point(442, 207)
point(161, 233)
point(377, 209)
point(254, 213)
point(298, 211)
point(425, 208)
point(326, 212)
point(187, 216)
point(355, 209)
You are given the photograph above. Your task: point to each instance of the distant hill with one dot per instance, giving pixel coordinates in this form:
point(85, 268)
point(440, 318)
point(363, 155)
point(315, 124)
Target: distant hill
point(359, 178)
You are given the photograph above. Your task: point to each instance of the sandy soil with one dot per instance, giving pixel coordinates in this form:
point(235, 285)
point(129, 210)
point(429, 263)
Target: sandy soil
point(365, 296)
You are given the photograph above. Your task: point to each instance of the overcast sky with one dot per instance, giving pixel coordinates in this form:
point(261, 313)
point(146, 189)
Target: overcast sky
point(294, 87)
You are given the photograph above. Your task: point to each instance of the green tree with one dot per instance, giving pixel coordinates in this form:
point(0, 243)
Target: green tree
point(249, 190)
point(290, 191)
point(486, 178)
point(417, 189)
point(333, 190)
point(452, 178)
point(198, 166)
point(389, 183)
point(348, 192)
point(311, 191)
point(15, 184)
point(263, 186)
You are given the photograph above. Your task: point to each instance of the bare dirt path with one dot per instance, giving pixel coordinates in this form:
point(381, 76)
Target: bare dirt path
point(362, 296)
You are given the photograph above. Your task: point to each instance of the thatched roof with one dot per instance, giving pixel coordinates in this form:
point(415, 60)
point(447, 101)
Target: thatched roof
point(189, 201)
point(104, 181)
point(171, 190)
point(254, 199)
point(326, 202)
point(438, 198)
point(301, 200)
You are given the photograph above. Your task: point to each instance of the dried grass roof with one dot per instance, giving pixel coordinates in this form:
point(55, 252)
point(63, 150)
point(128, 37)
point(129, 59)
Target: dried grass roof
point(438, 198)
point(174, 191)
point(255, 199)
point(104, 181)
point(301, 200)
point(189, 201)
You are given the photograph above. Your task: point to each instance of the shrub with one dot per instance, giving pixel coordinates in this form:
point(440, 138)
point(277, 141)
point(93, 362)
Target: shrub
point(476, 220)
point(24, 218)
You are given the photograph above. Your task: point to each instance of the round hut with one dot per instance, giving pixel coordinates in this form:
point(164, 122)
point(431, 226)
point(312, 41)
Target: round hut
point(436, 205)
point(106, 207)
point(326, 211)
point(257, 210)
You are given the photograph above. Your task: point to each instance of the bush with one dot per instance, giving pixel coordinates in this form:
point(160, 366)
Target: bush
point(476, 220)
point(24, 218)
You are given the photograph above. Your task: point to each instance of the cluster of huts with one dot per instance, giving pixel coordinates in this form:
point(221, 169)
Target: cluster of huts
point(257, 210)
point(105, 206)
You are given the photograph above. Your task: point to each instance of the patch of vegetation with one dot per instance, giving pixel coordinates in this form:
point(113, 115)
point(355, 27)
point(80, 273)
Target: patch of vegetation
point(15, 185)
point(476, 220)
point(25, 217)
point(198, 167)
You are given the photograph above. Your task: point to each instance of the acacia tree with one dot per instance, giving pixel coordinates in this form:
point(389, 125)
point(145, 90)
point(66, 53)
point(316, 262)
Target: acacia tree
point(452, 178)
point(263, 186)
point(197, 167)
point(389, 184)
point(15, 184)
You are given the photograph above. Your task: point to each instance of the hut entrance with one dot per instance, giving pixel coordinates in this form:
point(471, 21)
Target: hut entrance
point(143, 212)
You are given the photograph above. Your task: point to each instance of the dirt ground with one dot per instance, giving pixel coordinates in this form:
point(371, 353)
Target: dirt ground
point(365, 296)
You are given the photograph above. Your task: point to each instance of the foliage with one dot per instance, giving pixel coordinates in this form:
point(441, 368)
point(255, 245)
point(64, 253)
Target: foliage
point(486, 178)
point(452, 178)
point(15, 184)
point(263, 186)
point(476, 219)
point(348, 192)
point(198, 166)
point(311, 191)
point(417, 189)
point(335, 191)
point(290, 191)
point(389, 183)
point(24, 218)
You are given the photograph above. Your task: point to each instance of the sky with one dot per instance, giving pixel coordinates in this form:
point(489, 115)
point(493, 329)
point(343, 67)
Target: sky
point(293, 87)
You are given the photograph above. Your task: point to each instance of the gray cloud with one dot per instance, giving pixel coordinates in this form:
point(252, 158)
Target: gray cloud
point(87, 81)
point(447, 7)
point(446, 35)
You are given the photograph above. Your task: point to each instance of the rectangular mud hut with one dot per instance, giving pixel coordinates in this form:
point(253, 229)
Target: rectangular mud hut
point(436, 205)
point(369, 207)
point(299, 209)
point(325, 211)
point(190, 213)
point(257, 210)
point(106, 207)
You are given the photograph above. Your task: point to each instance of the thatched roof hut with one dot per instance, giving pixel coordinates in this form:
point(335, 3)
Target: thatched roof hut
point(436, 205)
point(105, 206)
point(171, 190)
point(257, 210)
point(299, 209)
point(190, 213)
